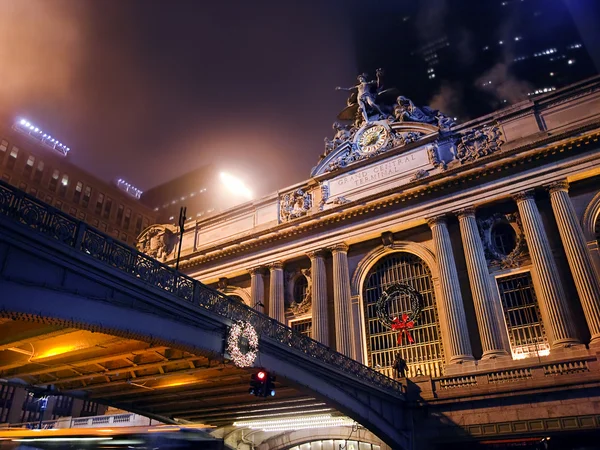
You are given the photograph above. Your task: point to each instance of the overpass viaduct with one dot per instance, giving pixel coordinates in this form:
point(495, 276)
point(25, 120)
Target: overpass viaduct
point(96, 319)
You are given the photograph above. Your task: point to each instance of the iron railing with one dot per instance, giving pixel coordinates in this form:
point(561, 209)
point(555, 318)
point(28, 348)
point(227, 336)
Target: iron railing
point(37, 215)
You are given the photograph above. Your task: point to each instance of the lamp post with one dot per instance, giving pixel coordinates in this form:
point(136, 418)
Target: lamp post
point(182, 212)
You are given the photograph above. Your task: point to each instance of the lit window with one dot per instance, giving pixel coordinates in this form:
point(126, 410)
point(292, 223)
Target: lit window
point(127, 220)
point(3, 145)
point(99, 203)
point(62, 190)
point(120, 210)
point(29, 165)
point(31, 161)
point(54, 180)
point(87, 193)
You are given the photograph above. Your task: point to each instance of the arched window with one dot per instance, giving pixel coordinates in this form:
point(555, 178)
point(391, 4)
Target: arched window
point(425, 355)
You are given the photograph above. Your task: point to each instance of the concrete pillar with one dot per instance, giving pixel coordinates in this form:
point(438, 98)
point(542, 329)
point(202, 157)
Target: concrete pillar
point(454, 313)
point(76, 407)
point(16, 406)
point(344, 327)
point(276, 294)
point(578, 256)
point(552, 299)
point(488, 320)
point(257, 289)
point(320, 330)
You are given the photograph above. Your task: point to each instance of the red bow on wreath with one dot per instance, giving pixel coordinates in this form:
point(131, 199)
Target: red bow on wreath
point(403, 327)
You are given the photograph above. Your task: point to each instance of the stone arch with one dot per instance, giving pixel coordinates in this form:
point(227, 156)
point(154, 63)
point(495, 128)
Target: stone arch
point(301, 437)
point(590, 217)
point(239, 292)
point(371, 258)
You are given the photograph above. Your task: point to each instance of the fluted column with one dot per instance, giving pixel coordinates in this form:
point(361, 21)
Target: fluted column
point(578, 256)
point(320, 331)
point(344, 328)
point(488, 319)
point(257, 288)
point(458, 335)
point(552, 299)
point(276, 301)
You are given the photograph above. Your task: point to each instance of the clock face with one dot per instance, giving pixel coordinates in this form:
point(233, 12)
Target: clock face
point(373, 138)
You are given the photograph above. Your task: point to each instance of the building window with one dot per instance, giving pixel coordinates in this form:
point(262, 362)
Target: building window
point(99, 203)
point(3, 146)
point(123, 237)
point(73, 212)
point(33, 191)
point(504, 238)
point(77, 192)
point(81, 216)
point(6, 397)
point(12, 157)
point(95, 223)
point(138, 224)
point(23, 186)
point(29, 166)
point(120, 210)
point(58, 204)
point(6, 177)
point(48, 199)
point(300, 289)
point(54, 180)
point(39, 172)
point(302, 326)
point(89, 409)
point(521, 312)
point(87, 193)
point(146, 223)
point(425, 355)
point(64, 183)
point(107, 208)
point(102, 226)
point(127, 220)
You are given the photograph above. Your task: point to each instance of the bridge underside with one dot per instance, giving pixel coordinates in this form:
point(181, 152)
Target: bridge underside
point(138, 376)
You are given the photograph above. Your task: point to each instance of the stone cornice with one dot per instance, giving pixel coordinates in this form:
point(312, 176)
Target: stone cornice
point(526, 153)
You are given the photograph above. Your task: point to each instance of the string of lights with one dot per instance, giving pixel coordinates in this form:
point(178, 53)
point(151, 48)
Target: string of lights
point(24, 126)
point(296, 423)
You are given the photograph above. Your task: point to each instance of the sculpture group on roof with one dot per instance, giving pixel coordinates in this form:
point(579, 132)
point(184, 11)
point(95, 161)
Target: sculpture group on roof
point(370, 101)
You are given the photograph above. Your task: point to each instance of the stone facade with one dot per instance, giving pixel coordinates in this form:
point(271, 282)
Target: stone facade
point(495, 222)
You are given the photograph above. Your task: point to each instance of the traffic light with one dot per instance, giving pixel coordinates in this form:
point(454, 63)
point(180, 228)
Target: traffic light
point(262, 384)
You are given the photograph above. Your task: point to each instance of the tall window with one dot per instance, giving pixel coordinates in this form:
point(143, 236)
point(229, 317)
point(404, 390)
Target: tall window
point(120, 210)
point(99, 203)
point(64, 183)
point(39, 172)
point(138, 224)
point(87, 193)
point(54, 180)
point(77, 192)
point(29, 166)
point(12, 157)
point(107, 208)
point(425, 355)
point(3, 146)
point(127, 220)
point(522, 315)
point(300, 289)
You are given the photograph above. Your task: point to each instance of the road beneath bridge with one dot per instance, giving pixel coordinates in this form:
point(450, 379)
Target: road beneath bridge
point(96, 319)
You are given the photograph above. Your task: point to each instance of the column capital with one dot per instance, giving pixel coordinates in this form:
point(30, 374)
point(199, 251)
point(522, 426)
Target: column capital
point(465, 212)
point(557, 186)
point(275, 265)
point(256, 270)
point(437, 220)
point(316, 253)
point(523, 195)
point(341, 247)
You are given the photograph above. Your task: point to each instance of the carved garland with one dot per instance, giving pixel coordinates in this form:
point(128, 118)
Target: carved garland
point(242, 330)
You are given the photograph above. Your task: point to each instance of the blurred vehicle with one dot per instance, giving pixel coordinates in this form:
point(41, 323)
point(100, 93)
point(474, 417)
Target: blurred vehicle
point(159, 437)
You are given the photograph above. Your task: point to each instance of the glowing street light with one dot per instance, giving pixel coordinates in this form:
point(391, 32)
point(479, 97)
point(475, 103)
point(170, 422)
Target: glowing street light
point(235, 185)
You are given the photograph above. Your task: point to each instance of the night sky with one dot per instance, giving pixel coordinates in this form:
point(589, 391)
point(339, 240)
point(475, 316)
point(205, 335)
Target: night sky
point(148, 90)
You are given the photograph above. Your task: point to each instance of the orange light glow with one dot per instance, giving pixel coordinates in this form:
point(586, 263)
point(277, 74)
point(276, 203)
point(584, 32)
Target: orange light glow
point(55, 351)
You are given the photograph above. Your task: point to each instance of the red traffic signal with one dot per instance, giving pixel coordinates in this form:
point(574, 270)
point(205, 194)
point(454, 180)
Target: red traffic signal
point(262, 384)
point(262, 375)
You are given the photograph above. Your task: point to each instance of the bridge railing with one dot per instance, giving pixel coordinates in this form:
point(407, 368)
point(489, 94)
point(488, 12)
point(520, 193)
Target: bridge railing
point(45, 219)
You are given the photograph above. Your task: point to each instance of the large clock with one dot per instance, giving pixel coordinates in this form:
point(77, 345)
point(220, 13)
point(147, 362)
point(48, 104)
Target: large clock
point(373, 138)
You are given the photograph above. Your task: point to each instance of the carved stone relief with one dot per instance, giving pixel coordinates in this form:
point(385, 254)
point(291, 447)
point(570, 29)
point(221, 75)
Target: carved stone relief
point(476, 144)
point(294, 204)
point(499, 232)
point(158, 241)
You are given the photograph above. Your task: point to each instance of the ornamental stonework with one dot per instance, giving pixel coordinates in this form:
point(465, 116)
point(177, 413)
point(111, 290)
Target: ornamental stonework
point(503, 240)
point(478, 144)
point(294, 205)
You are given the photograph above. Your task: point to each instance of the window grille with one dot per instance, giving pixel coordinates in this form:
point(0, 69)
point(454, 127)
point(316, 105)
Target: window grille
point(521, 312)
point(303, 326)
point(424, 356)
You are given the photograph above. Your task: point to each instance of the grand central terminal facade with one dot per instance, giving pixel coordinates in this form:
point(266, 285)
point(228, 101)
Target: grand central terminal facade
point(461, 259)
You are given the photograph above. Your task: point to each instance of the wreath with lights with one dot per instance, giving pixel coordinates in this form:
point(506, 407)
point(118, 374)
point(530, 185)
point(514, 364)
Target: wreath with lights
point(407, 321)
point(238, 331)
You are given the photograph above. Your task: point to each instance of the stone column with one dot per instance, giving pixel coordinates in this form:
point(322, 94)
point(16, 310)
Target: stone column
point(344, 328)
point(486, 311)
point(276, 301)
point(578, 256)
point(320, 330)
point(458, 335)
point(553, 304)
point(257, 289)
